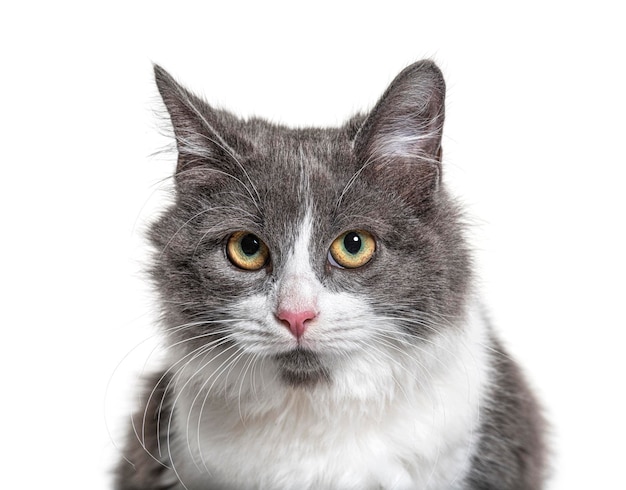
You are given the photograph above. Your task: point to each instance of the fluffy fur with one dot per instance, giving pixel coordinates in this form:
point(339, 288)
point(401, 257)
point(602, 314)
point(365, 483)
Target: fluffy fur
point(397, 381)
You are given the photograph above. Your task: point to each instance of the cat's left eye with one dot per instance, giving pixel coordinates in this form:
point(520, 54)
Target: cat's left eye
point(247, 251)
point(352, 249)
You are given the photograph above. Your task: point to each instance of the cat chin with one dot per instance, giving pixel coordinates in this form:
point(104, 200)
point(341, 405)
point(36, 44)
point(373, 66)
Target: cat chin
point(301, 367)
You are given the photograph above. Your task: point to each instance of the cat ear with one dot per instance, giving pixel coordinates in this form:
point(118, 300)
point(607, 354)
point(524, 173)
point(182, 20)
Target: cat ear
point(200, 130)
point(401, 137)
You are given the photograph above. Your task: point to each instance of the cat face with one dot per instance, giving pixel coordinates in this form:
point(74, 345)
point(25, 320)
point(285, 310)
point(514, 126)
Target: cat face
point(306, 248)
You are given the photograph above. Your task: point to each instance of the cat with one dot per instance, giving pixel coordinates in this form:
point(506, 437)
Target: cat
point(322, 325)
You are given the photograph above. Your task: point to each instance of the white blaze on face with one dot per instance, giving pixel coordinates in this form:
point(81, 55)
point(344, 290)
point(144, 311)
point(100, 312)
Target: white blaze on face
point(298, 288)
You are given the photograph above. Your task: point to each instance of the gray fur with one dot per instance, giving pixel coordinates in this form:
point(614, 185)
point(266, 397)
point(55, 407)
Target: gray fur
point(381, 171)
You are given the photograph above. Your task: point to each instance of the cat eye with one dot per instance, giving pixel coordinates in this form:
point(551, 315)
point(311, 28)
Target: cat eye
point(352, 249)
point(247, 251)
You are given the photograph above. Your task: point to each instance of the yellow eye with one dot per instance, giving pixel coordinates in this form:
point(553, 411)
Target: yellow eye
point(352, 249)
point(247, 251)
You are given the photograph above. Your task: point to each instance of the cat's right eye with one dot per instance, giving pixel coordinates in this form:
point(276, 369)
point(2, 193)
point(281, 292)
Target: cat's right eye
point(247, 251)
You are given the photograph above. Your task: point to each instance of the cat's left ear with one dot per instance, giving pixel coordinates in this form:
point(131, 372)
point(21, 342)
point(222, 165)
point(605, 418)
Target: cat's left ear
point(401, 137)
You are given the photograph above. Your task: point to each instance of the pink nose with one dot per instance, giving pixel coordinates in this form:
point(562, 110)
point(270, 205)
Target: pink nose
point(296, 320)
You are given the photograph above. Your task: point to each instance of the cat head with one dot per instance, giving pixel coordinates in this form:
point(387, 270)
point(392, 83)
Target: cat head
point(304, 248)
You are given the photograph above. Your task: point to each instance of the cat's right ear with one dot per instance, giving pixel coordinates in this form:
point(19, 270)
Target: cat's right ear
point(199, 130)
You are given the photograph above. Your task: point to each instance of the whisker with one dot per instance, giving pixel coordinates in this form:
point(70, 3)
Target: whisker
point(179, 394)
point(250, 362)
point(219, 371)
point(352, 180)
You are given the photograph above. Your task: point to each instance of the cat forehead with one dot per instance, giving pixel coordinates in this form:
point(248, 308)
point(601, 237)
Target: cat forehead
point(282, 144)
point(299, 169)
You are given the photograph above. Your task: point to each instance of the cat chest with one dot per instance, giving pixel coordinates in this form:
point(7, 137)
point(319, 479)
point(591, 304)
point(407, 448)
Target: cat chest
point(305, 450)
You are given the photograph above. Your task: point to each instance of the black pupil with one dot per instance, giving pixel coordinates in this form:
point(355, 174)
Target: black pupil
point(352, 243)
point(250, 244)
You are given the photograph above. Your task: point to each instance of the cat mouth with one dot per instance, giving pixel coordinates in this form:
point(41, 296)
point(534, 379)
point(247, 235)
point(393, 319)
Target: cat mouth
point(301, 367)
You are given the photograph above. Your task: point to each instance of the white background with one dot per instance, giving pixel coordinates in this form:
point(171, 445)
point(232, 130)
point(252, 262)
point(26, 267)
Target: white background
point(534, 146)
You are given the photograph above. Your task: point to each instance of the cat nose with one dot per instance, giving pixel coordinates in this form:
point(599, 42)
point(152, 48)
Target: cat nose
point(296, 320)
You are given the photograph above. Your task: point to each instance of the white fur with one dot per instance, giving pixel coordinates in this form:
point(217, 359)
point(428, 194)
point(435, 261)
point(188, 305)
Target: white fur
point(395, 416)
point(299, 288)
point(407, 144)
